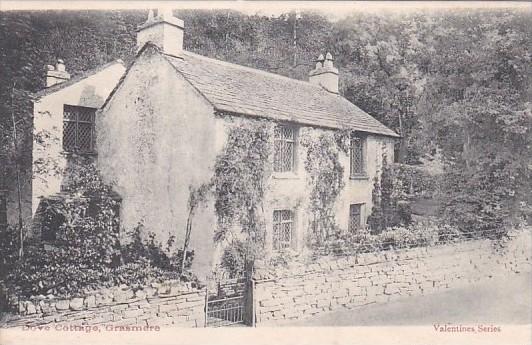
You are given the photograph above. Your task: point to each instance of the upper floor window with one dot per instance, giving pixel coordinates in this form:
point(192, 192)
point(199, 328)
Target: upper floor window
point(355, 217)
point(283, 229)
point(78, 129)
point(358, 159)
point(284, 149)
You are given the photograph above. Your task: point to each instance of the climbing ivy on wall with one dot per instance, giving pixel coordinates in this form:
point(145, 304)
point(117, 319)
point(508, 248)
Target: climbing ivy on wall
point(239, 180)
point(325, 174)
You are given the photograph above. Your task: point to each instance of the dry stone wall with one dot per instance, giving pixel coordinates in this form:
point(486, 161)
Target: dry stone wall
point(169, 303)
point(330, 283)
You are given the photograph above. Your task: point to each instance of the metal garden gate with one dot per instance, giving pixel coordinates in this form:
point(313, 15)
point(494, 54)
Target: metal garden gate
point(229, 302)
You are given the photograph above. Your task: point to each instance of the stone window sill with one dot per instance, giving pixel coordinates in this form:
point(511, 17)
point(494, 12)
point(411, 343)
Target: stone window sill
point(285, 175)
point(83, 154)
point(359, 177)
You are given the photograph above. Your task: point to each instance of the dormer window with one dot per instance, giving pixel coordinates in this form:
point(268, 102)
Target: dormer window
point(78, 129)
point(284, 149)
point(357, 156)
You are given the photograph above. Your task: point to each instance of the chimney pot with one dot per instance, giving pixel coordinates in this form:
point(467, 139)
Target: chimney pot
point(150, 16)
point(325, 74)
point(60, 65)
point(56, 74)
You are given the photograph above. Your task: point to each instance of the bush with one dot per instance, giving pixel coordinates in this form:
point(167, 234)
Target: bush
point(417, 234)
point(152, 252)
point(86, 252)
point(388, 209)
point(239, 256)
point(9, 246)
point(413, 181)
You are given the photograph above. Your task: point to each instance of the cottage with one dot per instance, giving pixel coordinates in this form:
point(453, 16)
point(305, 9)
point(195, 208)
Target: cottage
point(168, 118)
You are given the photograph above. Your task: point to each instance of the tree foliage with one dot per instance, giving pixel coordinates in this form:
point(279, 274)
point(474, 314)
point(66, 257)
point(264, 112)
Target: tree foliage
point(455, 82)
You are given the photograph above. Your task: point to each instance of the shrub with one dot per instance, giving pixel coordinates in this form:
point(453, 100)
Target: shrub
point(86, 252)
point(416, 234)
point(413, 181)
point(151, 251)
point(388, 210)
point(239, 257)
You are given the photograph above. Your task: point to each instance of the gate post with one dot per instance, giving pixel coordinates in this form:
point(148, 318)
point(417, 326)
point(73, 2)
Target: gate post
point(253, 304)
point(206, 304)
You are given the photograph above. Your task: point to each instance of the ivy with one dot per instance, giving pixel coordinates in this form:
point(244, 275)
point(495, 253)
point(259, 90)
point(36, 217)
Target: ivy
point(239, 181)
point(325, 173)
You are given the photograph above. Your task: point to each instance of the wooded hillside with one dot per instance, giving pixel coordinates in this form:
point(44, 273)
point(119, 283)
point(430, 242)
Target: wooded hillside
point(455, 85)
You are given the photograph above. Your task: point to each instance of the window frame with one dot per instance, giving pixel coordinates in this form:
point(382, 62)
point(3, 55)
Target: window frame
point(283, 140)
point(363, 173)
point(276, 234)
point(350, 227)
point(77, 121)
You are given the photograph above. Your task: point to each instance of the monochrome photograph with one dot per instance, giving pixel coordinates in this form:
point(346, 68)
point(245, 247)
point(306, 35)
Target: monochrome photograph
point(266, 167)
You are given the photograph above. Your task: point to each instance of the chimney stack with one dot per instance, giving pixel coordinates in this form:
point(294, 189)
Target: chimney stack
point(163, 30)
point(56, 74)
point(325, 74)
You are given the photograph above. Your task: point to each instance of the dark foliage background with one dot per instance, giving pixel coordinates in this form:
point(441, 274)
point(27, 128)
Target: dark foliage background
point(455, 84)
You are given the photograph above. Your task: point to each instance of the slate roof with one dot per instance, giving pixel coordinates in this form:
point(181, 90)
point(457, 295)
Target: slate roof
point(75, 79)
point(242, 90)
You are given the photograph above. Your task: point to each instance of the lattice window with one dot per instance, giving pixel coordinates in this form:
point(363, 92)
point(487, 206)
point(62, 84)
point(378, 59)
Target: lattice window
point(357, 157)
point(284, 149)
point(355, 217)
point(283, 229)
point(78, 129)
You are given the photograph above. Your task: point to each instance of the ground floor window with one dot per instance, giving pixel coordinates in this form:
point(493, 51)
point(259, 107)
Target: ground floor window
point(283, 229)
point(355, 217)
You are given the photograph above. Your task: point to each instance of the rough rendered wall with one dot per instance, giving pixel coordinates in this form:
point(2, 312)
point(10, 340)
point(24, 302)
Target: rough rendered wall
point(291, 190)
point(155, 139)
point(48, 155)
point(304, 290)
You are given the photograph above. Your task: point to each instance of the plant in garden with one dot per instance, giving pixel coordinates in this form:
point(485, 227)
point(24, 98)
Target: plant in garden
point(325, 180)
point(165, 258)
point(239, 181)
point(387, 211)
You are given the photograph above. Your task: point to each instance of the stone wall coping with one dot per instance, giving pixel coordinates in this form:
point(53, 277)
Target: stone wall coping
point(113, 296)
point(329, 263)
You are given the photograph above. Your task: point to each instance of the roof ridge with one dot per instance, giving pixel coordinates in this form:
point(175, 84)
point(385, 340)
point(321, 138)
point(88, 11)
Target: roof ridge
point(250, 69)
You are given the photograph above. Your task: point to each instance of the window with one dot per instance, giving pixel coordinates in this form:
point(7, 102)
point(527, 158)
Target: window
point(3, 211)
point(78, 129)
point(358, 166)
point(284, 149)
point(283, 229)
point(355, 217)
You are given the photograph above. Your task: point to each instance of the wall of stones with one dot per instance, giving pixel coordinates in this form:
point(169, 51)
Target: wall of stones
point(170, 303)
point(302, 290)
